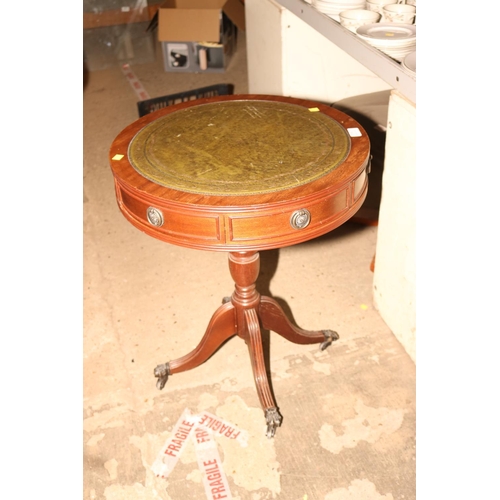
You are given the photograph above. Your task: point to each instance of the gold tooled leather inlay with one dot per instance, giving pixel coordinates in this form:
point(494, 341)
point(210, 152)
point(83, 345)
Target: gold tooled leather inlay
point(239, 148)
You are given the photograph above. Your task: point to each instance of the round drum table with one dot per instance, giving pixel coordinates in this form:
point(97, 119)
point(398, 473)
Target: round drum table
point(240, 174)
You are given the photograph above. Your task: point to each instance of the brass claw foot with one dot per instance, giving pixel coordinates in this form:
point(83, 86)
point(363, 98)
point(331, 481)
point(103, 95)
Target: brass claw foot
point(162, 372)
point(273, 420)
point(330, 336)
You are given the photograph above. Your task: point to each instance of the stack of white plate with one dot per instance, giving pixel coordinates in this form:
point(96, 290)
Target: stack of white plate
point(409, 63)
point(395, 40)
point(332, 8)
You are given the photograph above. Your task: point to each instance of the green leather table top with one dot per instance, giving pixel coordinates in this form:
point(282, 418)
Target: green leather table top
point(239, 148)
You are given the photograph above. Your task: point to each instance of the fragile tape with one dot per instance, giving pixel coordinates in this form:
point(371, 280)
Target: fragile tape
point(209, 461)
point(222, 427)
point(201, 429)
point(174, 446)
point(135, 83)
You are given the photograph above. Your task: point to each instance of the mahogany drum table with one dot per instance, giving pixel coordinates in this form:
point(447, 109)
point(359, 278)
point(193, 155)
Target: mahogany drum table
point(240, 174)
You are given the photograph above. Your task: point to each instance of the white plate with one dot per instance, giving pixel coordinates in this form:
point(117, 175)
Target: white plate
point(398, 55)
point(389, 42)
point(410, 62)
point(388, 32)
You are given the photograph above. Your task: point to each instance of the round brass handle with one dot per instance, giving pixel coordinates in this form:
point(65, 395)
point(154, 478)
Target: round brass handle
point(155, 216)
point(300, 219)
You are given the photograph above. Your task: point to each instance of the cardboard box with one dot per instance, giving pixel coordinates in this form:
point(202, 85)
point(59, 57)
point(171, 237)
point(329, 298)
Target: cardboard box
point(199, 35)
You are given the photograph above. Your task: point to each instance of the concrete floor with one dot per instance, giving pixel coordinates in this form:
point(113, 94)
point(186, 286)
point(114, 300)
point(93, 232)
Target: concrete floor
point(348, 431)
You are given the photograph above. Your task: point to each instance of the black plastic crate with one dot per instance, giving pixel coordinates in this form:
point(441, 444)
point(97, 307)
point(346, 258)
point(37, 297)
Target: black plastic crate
point(150, 105)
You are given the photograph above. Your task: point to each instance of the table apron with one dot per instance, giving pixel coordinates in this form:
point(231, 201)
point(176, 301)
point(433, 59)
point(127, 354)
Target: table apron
point(228, 228)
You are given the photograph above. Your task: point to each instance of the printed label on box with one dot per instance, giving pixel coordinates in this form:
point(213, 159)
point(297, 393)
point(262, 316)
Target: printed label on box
point(178, 55)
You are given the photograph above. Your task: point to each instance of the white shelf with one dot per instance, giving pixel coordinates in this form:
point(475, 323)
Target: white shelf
point(376, 61)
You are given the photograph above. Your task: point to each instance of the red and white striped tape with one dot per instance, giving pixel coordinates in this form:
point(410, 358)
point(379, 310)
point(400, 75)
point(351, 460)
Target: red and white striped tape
point(214, 480)
point(219, 426)
point(201, 429)
point(135, 83)
point(175, 444)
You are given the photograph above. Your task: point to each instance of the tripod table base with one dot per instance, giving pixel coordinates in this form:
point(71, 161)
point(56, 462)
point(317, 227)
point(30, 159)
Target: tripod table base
point(244, 314)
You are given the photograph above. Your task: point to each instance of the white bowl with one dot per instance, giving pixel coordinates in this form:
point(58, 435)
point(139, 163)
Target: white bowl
point(353, 19)
point(377, 5)
point(399, 13)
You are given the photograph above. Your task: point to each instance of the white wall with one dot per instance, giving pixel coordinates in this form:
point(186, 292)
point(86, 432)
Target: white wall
point(263, 33)
point(394, 277)
point(288, 57)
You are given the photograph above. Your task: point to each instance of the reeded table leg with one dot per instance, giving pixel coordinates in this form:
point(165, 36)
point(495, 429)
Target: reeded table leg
point(221, 327)
point(273, 318)
point(243, 314)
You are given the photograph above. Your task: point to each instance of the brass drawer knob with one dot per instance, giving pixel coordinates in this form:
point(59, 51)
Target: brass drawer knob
point(155, 217)
point(300, 219)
